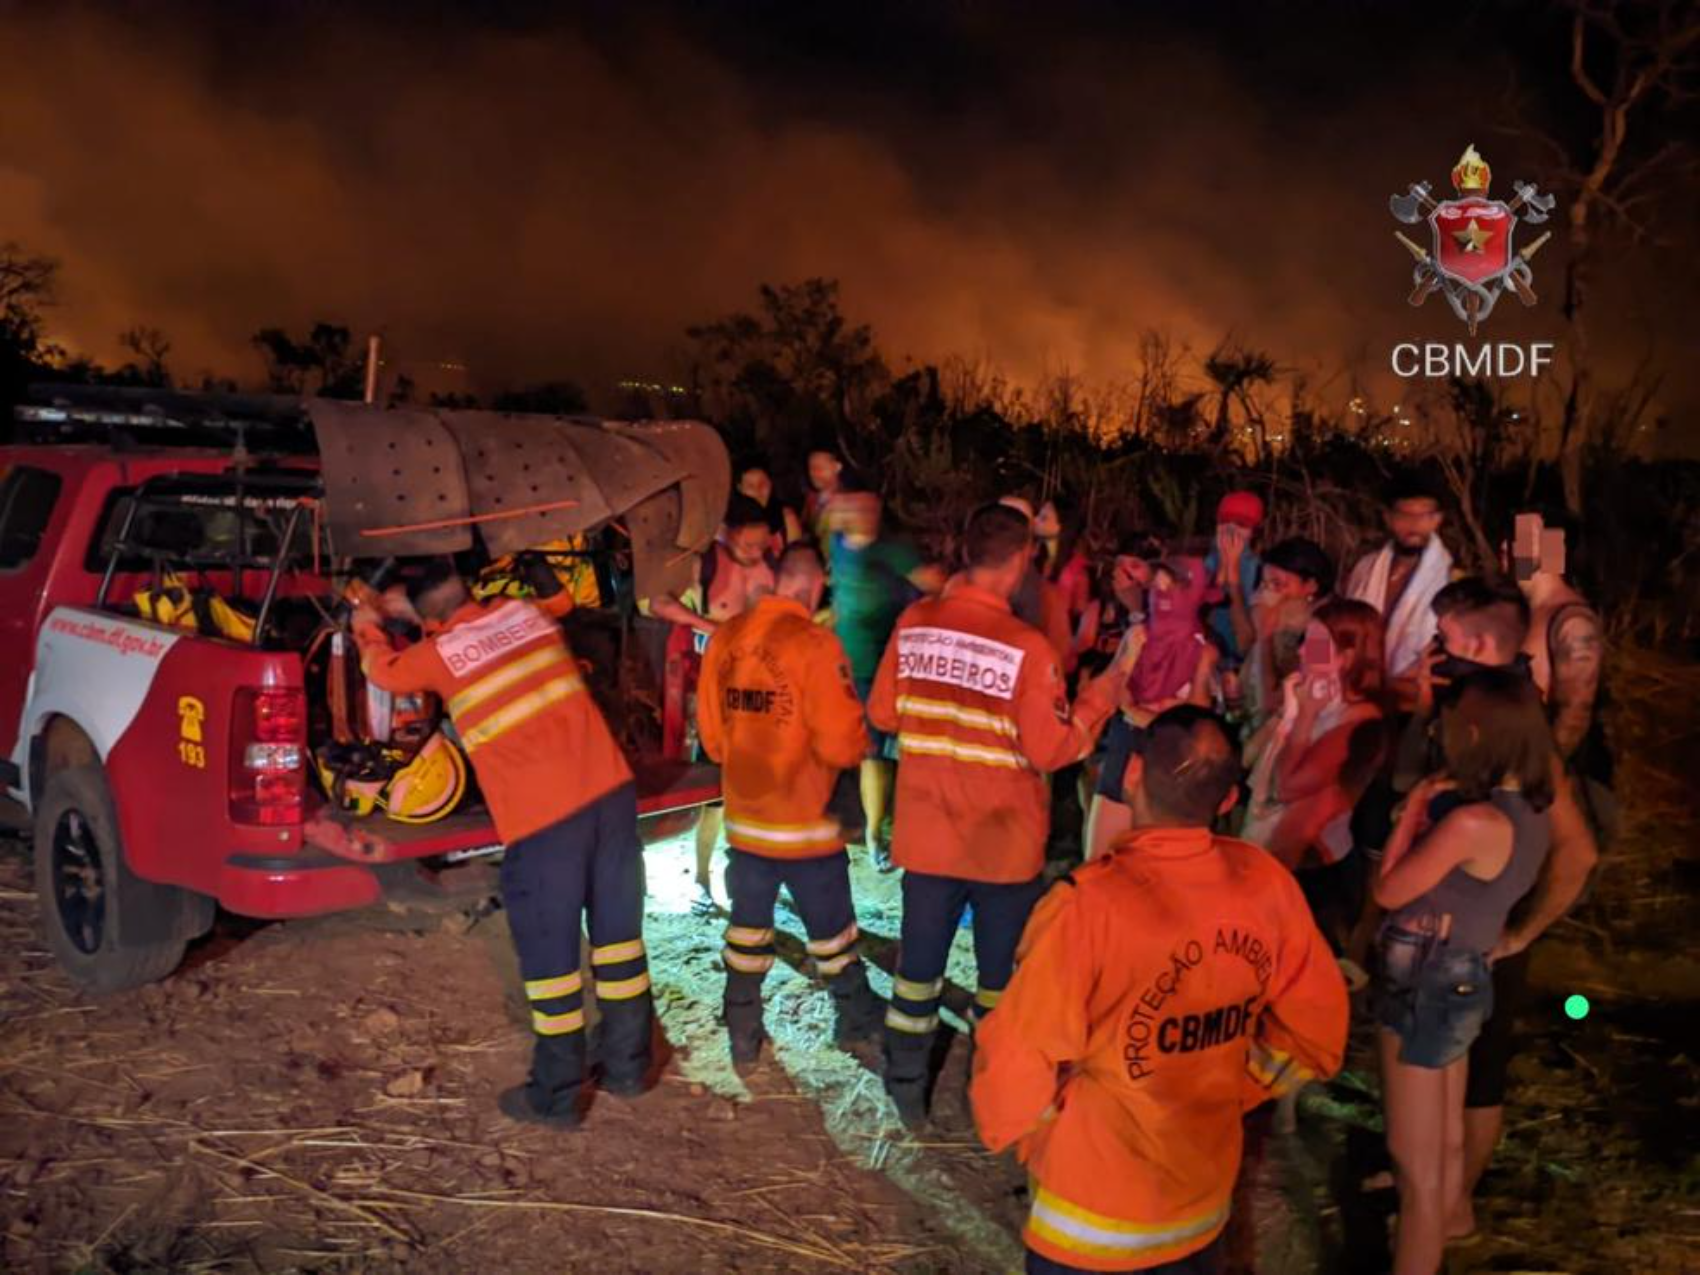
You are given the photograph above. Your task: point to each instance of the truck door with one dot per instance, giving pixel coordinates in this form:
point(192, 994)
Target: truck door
point(29, 501)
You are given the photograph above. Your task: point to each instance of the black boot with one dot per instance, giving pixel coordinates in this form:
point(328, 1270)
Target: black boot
point(626, 1045)
point(743, 1009)
point(907, 1056)
point(860, 1012)
point(551, 1094)
point(910, 1099)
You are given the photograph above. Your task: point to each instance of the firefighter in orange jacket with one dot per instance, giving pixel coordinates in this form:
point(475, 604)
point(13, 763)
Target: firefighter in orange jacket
point(563, 802)
point(1162, 990)
point(777, 709)
point(977, 701)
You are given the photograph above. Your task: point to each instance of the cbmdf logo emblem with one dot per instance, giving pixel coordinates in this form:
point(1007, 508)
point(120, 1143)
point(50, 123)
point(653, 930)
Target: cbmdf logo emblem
point(1472, 258)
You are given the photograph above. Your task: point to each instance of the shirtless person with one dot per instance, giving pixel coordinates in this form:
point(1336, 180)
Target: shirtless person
point(732, 573)
point(1565, 646)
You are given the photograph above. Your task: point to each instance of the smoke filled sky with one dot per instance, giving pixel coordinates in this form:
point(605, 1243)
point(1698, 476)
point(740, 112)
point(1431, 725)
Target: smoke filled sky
point(542, 194)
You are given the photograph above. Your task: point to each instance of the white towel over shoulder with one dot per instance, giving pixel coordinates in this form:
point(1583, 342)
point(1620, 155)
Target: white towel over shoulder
point(1411, 626)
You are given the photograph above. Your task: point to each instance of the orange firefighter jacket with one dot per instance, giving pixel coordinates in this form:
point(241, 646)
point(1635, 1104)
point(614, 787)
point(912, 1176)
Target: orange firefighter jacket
point(977, 700)
point(1160, 992)
point(519, 704)
point(776, 708)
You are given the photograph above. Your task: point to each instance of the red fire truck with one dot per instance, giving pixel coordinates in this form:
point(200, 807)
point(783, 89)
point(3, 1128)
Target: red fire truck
point(168, 763)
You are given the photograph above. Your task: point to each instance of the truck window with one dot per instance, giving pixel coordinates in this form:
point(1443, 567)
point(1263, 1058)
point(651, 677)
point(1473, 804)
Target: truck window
point(106, 529)
point(172, 531)
point(27, 498)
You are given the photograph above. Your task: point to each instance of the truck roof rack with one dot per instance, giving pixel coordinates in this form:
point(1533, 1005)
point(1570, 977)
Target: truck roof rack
point(145, 417)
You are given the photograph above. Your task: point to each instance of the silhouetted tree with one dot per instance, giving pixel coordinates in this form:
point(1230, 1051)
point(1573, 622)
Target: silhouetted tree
point(150, 346)
point(1628, 58)
point(321, 363)
point(793, 373)
point(27, 287)
point(1236, 372)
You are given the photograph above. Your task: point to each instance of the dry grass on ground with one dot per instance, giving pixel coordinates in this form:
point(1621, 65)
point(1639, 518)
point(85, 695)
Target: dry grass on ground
point(318, 1096)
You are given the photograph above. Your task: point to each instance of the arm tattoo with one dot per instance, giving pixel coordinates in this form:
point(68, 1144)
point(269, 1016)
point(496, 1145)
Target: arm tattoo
point(1577, 657)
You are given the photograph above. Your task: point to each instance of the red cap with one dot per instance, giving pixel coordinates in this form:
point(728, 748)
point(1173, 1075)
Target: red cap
point(1242, 508)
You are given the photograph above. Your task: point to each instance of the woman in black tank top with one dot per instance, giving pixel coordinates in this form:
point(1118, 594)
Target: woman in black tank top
point(1467, 847)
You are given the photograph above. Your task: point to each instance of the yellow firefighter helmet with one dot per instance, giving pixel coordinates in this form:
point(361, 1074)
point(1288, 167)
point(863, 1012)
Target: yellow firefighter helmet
point(419, 787)
point(428, 787)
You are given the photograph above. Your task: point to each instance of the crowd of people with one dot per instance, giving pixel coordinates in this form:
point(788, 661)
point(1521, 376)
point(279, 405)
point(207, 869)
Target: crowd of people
point(1292, 791)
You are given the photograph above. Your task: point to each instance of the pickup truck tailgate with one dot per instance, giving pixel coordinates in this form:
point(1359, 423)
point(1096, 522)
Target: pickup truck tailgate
point(662, 786)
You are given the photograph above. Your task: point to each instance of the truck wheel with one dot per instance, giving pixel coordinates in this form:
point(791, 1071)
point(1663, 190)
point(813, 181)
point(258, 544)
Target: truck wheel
point(79, 880)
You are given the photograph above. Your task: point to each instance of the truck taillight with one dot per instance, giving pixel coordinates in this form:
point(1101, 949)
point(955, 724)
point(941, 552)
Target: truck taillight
point(271, 759)
point(268, 773)
point(280, 717)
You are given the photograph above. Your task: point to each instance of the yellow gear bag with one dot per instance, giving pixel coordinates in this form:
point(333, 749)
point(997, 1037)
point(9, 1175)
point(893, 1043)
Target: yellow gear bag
point(565, 558)
point(177, 606)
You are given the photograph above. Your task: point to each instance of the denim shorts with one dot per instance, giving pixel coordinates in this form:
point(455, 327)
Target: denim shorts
point(1435, 998)
point(1119, 742)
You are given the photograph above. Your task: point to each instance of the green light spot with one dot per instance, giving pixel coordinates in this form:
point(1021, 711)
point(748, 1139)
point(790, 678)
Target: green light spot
point(1576, 1007)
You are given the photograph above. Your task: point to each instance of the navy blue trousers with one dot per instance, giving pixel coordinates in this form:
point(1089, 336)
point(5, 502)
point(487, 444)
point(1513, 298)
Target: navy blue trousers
point(820, 891)
point(932, 911)
point(584, 872)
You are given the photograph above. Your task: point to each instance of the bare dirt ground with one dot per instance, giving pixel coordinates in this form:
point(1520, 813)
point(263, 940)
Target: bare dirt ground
point(318, 1095)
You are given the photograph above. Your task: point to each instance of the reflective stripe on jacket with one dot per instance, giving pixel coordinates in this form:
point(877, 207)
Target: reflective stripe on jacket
point(776, 708)
point(513, 689)
point(977, 701)
point(1161, 992)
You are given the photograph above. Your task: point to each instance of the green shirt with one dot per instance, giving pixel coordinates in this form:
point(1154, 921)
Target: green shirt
point(870, 589)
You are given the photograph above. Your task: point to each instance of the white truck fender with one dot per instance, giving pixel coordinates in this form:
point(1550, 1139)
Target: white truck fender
point(93, 668)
